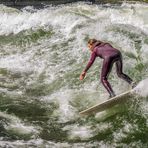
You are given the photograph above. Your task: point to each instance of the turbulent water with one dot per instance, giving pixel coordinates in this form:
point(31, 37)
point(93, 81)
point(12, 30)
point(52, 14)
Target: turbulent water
point(42, 53)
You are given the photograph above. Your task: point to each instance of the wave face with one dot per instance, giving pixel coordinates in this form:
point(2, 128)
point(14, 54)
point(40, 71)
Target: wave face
point(42, 53)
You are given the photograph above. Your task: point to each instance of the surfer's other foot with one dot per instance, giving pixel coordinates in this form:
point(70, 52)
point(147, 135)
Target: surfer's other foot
point(133, 84)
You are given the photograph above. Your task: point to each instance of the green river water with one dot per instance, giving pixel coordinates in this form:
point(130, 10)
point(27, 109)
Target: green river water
point(42, 53)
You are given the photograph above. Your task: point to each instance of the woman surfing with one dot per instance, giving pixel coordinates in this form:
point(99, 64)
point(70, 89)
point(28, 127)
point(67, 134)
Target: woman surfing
point(110, 55)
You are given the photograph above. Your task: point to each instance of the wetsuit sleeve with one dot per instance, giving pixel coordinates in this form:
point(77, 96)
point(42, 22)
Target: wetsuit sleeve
point(91, 61)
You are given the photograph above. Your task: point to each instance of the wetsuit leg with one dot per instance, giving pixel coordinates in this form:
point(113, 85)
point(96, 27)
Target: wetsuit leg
point(119, 67)
point(106, 68)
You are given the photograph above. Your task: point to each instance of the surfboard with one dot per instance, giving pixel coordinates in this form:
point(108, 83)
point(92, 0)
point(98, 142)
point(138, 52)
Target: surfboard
point(109, 103)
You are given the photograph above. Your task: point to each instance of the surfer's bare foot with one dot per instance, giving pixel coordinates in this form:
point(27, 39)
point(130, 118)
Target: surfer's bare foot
point(111, 95)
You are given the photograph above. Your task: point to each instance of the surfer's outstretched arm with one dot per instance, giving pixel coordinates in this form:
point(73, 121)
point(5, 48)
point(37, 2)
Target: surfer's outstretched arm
point(91, 61)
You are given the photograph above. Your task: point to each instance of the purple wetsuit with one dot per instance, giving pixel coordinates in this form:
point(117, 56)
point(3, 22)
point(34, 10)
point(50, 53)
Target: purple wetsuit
point(110, 55)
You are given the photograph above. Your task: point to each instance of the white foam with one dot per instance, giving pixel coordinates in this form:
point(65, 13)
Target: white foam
point(142, 88)
point(124, 131)
point(16, 63)
point(65, 111)
point(15, 125)
point(79, 132)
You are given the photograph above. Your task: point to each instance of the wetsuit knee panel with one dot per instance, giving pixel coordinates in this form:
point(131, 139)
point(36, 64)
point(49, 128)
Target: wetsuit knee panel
point(103, 79)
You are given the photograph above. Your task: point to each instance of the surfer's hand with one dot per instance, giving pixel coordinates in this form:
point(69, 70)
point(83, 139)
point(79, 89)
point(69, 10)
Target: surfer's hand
point(82, 75)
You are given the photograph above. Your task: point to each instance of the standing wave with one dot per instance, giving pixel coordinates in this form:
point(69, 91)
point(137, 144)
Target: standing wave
point(43, 51)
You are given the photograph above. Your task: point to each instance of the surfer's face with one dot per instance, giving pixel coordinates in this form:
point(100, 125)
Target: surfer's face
point(90, 47)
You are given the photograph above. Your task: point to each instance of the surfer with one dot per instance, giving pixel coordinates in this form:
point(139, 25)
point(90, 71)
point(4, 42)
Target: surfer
point(110, 55)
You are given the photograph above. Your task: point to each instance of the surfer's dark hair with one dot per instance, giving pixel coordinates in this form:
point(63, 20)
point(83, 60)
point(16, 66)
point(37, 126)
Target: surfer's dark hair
point(92, 41)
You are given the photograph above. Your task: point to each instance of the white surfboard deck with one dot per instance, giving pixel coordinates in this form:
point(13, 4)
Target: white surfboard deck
point(108, 103)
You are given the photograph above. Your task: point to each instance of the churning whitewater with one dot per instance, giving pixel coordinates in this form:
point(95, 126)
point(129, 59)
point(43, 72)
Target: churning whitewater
point(42, 53)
